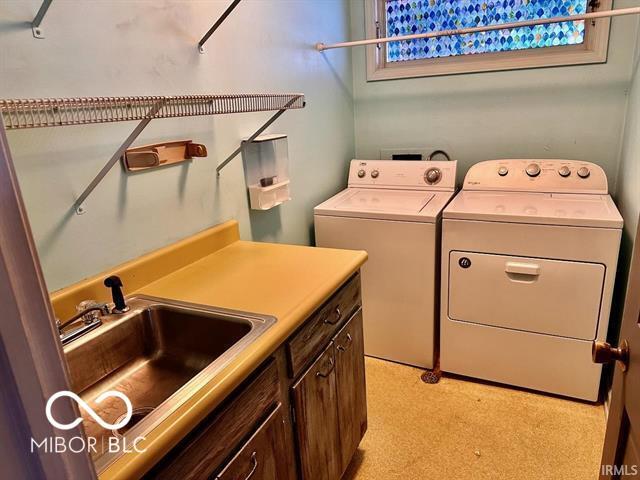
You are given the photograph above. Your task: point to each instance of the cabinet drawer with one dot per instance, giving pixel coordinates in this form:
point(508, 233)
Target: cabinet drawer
point(318, 330)
point(202, 452)
point(263, 457)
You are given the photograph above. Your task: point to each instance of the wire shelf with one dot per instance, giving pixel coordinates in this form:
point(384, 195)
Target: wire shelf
point(55, 112)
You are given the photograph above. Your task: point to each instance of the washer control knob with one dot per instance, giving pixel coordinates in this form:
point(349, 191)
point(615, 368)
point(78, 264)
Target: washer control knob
point(502, 171)
point(433, 175)
point(533, 169)
point(361, 173)
point(564, 171)
point(584, 172)
point(375, 173)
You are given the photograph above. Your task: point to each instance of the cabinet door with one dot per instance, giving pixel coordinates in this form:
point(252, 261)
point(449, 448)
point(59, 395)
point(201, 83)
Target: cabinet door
point(316, 416)
point(263, 457)
point(350, 380)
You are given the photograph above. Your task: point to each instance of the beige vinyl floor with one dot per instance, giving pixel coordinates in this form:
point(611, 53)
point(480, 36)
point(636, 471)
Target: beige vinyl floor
point(459, 429)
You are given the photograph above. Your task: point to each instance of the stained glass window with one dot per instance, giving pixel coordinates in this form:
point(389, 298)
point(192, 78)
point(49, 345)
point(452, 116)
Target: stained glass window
point(406, 17)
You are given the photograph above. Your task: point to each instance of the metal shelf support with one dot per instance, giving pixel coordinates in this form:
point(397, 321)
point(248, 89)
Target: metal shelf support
point(20, 114)
point(35, 25)
point(78, 205)
point(253, 137)
point(215, 26)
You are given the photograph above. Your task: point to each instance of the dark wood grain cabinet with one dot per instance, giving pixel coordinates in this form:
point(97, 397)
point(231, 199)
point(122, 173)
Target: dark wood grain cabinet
point(351, 388)
point(316, 419)
point(262, 457)
point(301, 414)
point(330, 407)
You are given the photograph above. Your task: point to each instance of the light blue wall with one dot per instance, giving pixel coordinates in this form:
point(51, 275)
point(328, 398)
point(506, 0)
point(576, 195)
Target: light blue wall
point(565, 112)
point(628, 184)
point(149, 48)
point(627, 195)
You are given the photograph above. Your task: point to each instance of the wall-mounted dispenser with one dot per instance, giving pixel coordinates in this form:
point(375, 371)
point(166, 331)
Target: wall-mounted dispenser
point(266, 170)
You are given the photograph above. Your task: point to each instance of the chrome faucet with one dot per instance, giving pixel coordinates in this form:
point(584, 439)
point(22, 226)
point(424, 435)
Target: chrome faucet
point(90, 312)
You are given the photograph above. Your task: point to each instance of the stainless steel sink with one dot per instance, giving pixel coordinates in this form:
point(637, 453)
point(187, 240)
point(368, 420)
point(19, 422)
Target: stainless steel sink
point(157, 354)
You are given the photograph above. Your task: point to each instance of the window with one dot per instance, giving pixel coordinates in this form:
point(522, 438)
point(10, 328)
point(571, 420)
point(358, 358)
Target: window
point(568, 43)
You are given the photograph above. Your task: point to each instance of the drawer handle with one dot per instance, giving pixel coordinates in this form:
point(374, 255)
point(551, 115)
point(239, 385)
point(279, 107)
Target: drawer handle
point(338, 315)
point(349, 340)
point(328, 372)
point(254, 467)
point(523, 268)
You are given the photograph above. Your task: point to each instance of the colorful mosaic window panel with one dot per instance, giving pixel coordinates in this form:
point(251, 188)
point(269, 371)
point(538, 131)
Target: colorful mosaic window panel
point(406, 17)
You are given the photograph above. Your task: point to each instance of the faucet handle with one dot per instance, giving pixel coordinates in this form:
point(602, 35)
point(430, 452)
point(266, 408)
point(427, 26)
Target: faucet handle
point(92, 315)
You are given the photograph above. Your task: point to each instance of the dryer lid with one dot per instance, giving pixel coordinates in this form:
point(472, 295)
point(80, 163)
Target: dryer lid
point(535, 208)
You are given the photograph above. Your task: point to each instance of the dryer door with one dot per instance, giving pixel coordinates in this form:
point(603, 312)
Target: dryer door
point(555, 297)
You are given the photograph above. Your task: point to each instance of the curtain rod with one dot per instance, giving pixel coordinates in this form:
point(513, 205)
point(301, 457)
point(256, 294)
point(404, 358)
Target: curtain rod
point(502, 26)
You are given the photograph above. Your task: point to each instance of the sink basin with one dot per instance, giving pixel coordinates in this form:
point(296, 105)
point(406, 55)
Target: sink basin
point(156, 354)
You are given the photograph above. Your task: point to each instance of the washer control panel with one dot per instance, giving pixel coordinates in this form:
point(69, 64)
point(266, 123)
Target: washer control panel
point(537, 175)
point(401, 174)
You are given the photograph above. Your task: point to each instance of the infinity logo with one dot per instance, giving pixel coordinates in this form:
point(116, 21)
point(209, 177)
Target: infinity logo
point(83, 405)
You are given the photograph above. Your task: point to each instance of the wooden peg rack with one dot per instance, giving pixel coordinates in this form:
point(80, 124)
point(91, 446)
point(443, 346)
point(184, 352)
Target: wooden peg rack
point(157, 155)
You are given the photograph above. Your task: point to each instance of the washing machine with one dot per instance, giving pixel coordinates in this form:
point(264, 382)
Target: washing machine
point(392, 209)
point(529, 255)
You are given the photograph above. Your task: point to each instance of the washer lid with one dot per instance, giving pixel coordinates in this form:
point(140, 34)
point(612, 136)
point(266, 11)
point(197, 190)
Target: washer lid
point(583, 210)
point(407, 205)
point(389, 201)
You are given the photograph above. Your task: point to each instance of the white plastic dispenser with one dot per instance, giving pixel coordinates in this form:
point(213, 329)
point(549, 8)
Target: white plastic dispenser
point(266, 170)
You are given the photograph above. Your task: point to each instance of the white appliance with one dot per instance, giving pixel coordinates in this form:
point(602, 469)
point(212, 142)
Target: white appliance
point(392, 209)
point(529, 255)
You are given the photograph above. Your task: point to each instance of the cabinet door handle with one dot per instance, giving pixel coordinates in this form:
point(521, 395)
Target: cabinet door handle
point(349, 340)
point(254, 465)
point(337, 314)
point(326, 374)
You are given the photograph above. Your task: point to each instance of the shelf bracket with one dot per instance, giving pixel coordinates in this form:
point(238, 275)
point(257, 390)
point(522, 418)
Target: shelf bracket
point(35, 25)
point(215, 26)
point(78, 204)
point(253, 137)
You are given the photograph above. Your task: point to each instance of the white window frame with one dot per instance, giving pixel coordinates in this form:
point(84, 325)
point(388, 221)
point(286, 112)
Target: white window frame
point(592, 50)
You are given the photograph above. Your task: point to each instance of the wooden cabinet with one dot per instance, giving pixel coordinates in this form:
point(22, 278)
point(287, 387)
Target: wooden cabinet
point(314, 335)
point(316, 419)
point(350, 384)
point(330, 405)
point(263, 456)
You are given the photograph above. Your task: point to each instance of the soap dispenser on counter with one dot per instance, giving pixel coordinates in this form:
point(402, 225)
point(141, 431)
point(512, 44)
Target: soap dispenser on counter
point(266, 170)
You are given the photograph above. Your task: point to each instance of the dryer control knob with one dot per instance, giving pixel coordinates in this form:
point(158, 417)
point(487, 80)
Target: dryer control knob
point(375, 173)
point(502, 171)
point(564, 171)
point(361, 173)
point(533, 169)
point(432, 176)
point(583, 172)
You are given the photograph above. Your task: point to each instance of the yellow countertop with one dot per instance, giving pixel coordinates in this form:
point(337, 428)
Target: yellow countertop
point(215, 268)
